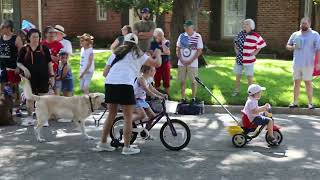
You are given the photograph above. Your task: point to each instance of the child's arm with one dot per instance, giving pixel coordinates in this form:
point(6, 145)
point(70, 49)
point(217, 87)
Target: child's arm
point(65, 70)
point(261, 109)
point(144, 86)
point(106, 70)
point(88, 65)
point(155, 91)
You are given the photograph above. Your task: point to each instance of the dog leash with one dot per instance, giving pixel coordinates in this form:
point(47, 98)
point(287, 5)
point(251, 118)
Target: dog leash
point(91, 106)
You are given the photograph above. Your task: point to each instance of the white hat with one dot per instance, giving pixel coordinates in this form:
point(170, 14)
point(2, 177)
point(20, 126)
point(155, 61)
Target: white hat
point(131, 38)
point(255, 88)
point(60, 29)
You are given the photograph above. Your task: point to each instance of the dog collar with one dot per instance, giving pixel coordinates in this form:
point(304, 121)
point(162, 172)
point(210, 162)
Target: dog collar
point(91, 106)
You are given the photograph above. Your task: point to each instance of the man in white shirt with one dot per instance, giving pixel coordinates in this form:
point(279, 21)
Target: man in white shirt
point(67, 47)
point(189, 48)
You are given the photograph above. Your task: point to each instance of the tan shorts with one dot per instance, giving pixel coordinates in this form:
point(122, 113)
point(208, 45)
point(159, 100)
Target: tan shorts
point(304, 73)
point(186, 71)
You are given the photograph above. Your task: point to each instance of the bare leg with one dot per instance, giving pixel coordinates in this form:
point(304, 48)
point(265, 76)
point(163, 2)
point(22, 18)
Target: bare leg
point(30, 107)
point(250, 80)
point(309, 90)
point(67, 94)
point(194, 89)
point(296, 91)
point(270, 128)
point(167, 90)
point(127, 112)
point(113, 109)
point(139, 114)
point(150, 115)
point(237, 83)
point(183, 89)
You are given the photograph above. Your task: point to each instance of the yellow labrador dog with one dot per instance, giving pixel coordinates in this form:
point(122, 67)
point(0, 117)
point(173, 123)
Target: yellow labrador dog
point(78, 108)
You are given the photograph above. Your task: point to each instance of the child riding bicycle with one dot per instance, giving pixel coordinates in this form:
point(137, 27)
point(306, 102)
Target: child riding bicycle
point(255, 112)
point(142, 87)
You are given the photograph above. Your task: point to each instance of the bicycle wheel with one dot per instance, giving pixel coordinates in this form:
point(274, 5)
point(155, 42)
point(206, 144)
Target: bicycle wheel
point(178, 142)
point(117, 131)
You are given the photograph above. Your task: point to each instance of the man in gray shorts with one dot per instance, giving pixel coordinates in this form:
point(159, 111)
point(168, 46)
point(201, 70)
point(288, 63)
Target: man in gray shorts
point(304, 43)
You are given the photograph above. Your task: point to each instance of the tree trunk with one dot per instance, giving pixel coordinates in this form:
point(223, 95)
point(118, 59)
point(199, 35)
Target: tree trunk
point(317, 18)
point(182, 10)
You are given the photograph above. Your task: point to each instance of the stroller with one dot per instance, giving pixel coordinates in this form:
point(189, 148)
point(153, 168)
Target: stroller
point(246, 131)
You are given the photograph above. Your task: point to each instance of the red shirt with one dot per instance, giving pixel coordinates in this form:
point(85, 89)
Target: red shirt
point(54, 47)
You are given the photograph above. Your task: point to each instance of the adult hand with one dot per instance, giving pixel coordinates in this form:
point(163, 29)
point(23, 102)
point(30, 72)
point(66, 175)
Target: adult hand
point(17, 71)
point(26, 73)
point(51, 81)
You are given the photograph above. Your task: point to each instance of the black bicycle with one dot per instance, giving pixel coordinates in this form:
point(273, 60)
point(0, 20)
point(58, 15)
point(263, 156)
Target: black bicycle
point(174, 133)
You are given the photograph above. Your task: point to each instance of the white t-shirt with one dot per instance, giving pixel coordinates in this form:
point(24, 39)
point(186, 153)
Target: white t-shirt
point(139, 92)
point(67, 47)
point(251, 104)
point(84, 55)
point(189, 46)
point(126, 70)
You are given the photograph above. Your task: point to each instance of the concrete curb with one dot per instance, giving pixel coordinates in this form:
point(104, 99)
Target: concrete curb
point(208, 109)
point(275, 110)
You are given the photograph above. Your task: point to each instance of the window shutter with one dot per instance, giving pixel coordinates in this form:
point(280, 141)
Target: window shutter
point(16, 14)
point(252, 9)
point(215, 23)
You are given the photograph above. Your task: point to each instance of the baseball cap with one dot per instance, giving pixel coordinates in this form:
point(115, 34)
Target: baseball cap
point(188, 23)
point(62, 53)
point(131, 38)
point(255, 88)
point(145, 10)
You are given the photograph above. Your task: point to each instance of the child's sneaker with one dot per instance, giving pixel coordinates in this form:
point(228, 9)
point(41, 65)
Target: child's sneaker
point(130, 150)
point(273, 140)
point(104, 147)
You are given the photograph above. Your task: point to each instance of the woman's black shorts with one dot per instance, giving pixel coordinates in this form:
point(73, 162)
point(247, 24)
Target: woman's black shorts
point(119, 94)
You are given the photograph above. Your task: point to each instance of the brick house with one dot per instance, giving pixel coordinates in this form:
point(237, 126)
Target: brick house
point(275, 19)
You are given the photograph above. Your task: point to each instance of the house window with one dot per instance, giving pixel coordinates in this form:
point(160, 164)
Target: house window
point(234, 12)
point(6, 9)
point(101, 12)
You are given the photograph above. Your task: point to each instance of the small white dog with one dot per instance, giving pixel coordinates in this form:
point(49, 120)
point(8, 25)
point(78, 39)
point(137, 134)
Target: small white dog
point(77, 108)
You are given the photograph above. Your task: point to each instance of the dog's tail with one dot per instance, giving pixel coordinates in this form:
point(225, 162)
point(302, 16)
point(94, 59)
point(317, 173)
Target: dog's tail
point(27, 89)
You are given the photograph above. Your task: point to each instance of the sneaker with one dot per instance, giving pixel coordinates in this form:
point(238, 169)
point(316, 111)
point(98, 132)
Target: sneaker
point(130, 150)
point(193, 100)
point(293, 106)
point(183, 100)
point(310, 106)
point(64, 120)
point(104, 147)
point(235, 93)
point(18, 113)
point(273, 140)
point(27, 121)
point(46, 124)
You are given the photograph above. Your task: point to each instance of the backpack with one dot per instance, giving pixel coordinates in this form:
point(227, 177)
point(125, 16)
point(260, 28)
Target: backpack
point(190, 108)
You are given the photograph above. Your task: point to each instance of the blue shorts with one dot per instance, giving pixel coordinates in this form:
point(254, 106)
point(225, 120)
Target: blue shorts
point(65, 85)
point(140, 103)
point(261, 120)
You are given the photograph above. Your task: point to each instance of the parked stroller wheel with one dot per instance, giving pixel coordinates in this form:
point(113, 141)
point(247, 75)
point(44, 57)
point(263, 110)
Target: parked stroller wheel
point(239, 140)
point(277, 135)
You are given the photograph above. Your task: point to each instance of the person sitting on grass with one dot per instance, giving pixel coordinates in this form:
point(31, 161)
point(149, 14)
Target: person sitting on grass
point(254, 112)
point(142, 87)
point(64, 79)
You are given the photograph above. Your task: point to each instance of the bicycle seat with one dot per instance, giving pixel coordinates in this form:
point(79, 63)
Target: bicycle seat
point(246, 124)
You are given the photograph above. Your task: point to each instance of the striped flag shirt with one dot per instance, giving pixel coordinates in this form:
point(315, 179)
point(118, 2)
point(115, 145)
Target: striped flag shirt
point(253, 42)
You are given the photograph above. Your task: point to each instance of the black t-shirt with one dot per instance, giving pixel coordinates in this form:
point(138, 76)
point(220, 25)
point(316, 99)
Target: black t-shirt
point(36, 61)
point(8, 52)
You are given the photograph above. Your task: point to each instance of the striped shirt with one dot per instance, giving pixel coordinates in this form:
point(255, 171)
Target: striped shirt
point(253, 42)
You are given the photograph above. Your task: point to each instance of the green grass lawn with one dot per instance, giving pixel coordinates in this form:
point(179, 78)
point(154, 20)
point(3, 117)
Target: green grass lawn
point(275, 75)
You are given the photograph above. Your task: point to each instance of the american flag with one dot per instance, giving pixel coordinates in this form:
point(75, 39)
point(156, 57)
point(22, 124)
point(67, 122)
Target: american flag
point(239, 41)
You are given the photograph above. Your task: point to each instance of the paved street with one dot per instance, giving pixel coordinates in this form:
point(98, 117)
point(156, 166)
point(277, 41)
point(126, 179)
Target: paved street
point(210, 154)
